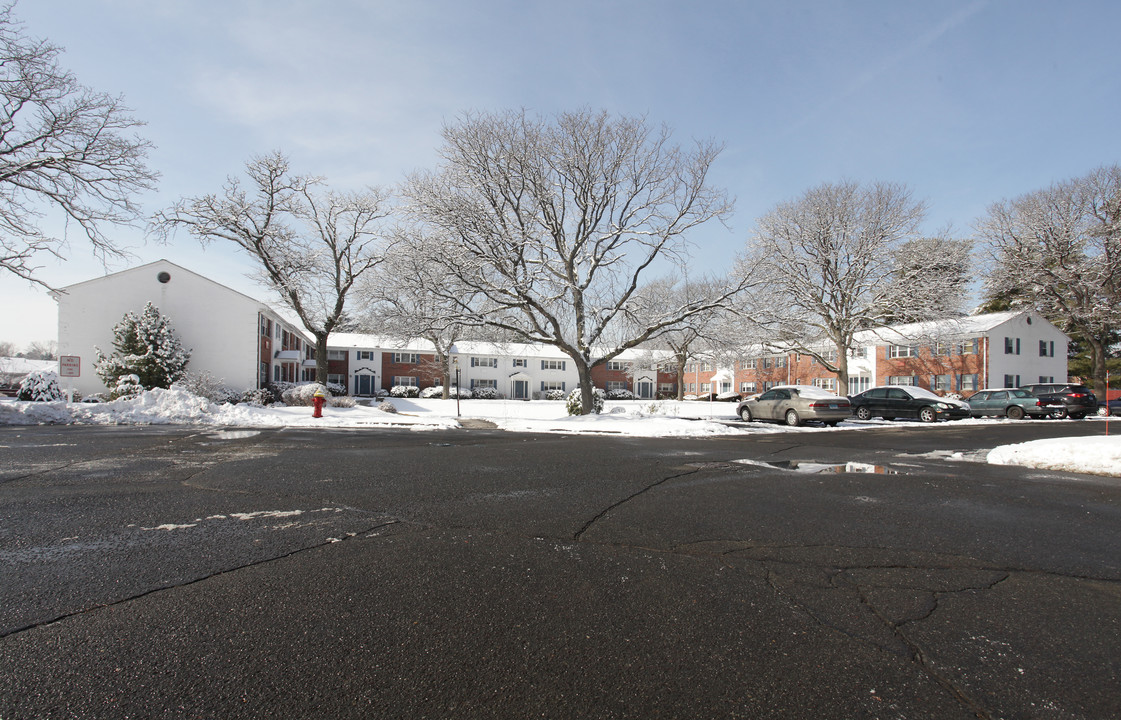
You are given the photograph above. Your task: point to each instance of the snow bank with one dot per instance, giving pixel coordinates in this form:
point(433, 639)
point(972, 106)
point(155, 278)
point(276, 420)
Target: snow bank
point(1093, 455)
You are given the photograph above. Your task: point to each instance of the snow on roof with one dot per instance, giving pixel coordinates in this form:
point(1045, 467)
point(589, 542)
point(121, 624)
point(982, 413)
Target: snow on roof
point(362, 341)
point(23, 366)
point(961, 327)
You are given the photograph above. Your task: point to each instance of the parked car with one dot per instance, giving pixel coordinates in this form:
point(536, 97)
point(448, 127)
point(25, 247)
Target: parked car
point(794, 405)
point(906, 401)
point(1078, 401)
point(1114, 407)
point(1012, 403)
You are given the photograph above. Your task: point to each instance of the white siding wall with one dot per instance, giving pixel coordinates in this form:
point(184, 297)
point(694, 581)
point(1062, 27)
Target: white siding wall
point(1028, 364)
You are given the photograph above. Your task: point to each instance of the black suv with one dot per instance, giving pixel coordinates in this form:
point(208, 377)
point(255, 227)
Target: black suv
point(1078, 400)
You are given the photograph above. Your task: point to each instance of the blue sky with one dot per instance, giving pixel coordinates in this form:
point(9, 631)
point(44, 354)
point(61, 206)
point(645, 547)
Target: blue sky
point(967, 103)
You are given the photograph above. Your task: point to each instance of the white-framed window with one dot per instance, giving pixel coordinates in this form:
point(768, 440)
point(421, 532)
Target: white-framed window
point(520, 362)
point(1046, 378)
point(404, 358)
point(1011, 381)
point(404, 380)
point(780, 361)
point(482, 383)
point(691, 388)
point(336, 379)
point(827, 383)
point(967, 382)
point(553, 365)
point(336, 354)
point(902, 380)
point(747, 387)
point(903, 351)
point(279, 332)
point(491, 362)
point(747, 364)
point(616, 385)
point(666, 387)
point(767, 385)
point(706, 387)
point(1011, 347)
point(547, 385)
point(858, 352)
point(972, 346)
point(1046, 349)
point(365, 354)
point(616, 365)
point(944, 349)
point(767, 362)
point(941, 383)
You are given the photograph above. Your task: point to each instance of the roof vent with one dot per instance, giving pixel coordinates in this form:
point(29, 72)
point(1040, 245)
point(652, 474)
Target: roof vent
point(165, 278)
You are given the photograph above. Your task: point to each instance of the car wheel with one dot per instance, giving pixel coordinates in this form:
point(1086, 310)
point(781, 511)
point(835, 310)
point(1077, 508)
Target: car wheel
point(1059, 414)
point(745, 415)
point(792, 418)
point(927, 415)
point(863, 413)
point(1015, 413)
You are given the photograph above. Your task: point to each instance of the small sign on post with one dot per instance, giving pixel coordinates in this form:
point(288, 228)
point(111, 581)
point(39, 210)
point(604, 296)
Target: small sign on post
point(70, 366)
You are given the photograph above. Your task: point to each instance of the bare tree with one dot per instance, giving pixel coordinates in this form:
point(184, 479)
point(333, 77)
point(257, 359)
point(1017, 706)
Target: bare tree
point(7, 349)
point(937, 270)
point(828, 266)
point(552, 226)
point(400, 302)
point(42, 350)
point(1059, 250)
point(63, 148)
point(311, 246)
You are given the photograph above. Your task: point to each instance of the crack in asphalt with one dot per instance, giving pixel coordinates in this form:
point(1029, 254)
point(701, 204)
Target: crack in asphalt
point(187, 583)
point(627, 499)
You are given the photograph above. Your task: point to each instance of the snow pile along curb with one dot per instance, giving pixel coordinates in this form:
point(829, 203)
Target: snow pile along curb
point(1093, 455)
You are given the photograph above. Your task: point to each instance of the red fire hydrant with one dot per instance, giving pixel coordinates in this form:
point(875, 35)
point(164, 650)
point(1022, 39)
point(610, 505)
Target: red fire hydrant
point(317, 401)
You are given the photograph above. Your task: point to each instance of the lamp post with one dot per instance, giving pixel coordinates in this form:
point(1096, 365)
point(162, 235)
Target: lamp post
point(455, 364)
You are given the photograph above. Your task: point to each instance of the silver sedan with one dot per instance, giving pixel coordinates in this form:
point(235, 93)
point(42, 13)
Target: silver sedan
point(795, 404)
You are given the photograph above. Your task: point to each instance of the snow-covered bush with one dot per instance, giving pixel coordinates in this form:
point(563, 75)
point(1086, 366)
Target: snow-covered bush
point(259, 397)
point(462, 393)
point(40, 386)
point(620, 394)
point(278, 389)
point(95, 398)
point(575, 404)
point(382, 392)
point(336, 389)
point(404, 391)
point(146, 347)
point(554, 394)
point(305, 395)
point(436, 391)
point(128, 386)
point(484, 393)
point(341, 401)
point(386, 406)
point(207, 386)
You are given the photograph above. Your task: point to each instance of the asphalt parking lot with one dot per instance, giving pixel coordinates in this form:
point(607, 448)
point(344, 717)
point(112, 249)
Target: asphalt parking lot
point(191, 572)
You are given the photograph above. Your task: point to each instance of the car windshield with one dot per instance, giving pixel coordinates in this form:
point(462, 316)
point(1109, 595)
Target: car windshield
point(814, 393)
point(918, 392)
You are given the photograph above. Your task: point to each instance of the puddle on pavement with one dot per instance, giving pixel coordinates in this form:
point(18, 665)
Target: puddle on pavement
point(813, 468)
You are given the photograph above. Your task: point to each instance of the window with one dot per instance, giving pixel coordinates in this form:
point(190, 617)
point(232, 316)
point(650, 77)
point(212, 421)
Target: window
point(336, 379)
point(365, 354)
point(780, 361)
point(768, 385)
point(903, 351)
point(902, 380)
point(971, 346)
point(616, 385)
point(616, 365)
point(520, 362)
point(858, 352)
point(766, 362)
point(941, 383)
point(967, 383)
point(1046, 378)
point(1046, 349)
point(552, 365)
point(943, 348)
point(407, 380)
point(747, 387)
point(826, 383)
point(480, 383)
point(484, 362)
point(405, 358)
point(667, 387)
point(1011, 346)
point(266, 326)
point(279, 332)
point(859, 384)
point(336, 354)
point(547, 385)
point(706, 387)
point(691, 388)
point(1011, 381)
point(747, 364)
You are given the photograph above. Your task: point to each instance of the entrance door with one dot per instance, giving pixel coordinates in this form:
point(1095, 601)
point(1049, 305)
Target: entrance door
point(364, 385)
point(521, 389)
point(645, 390)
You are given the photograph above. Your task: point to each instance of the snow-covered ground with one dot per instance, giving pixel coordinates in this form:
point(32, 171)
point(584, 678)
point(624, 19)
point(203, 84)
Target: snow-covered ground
point(638, 418)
